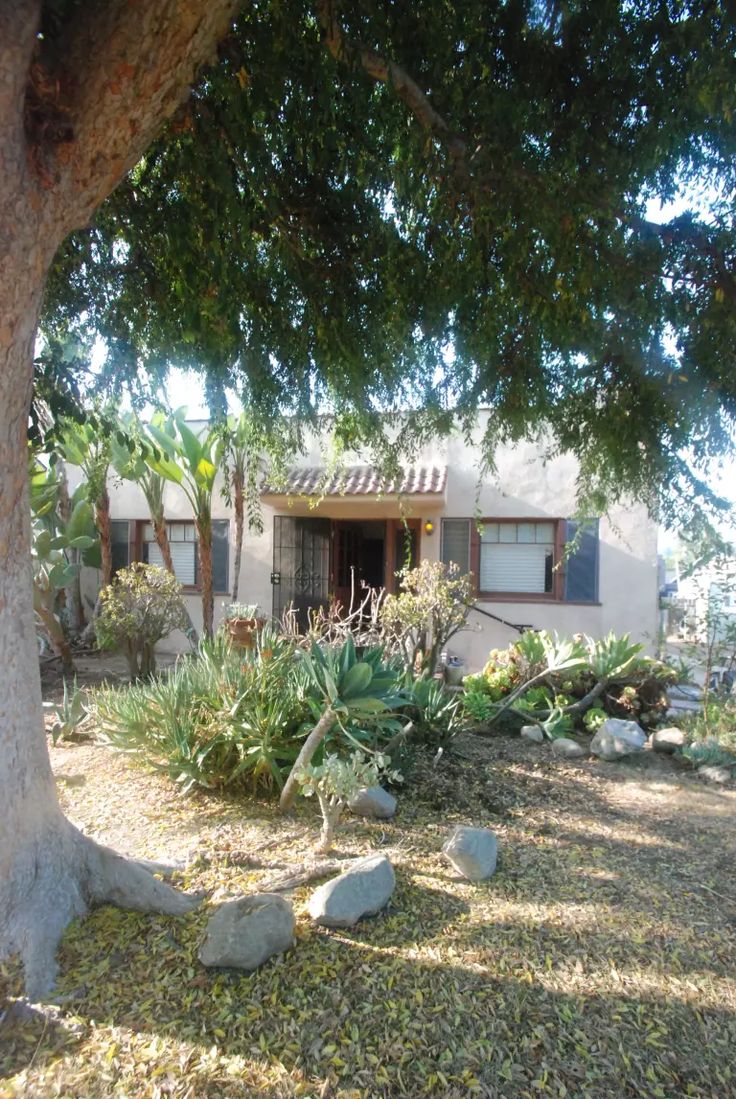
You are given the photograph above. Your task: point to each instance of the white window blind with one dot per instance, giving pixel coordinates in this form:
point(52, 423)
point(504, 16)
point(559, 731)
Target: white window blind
point(514, 567)
point(516, 557)
point(183, 557)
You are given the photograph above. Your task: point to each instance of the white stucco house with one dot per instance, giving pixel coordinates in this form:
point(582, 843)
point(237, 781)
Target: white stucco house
point(509, 532)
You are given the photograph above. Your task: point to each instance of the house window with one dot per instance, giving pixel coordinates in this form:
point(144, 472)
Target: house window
point(120, 544)
point(184, 548)
point(518, 557)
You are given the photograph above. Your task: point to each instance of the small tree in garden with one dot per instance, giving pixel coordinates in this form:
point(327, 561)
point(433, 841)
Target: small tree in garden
point(431, 608)
point(338, 780)
point(141, 605)
point(346, 687)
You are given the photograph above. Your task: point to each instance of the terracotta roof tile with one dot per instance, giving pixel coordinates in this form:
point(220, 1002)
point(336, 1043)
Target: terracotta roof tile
point(359, 481)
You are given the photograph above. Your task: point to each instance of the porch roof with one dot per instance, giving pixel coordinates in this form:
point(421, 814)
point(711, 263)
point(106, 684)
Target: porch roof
point(359, 481)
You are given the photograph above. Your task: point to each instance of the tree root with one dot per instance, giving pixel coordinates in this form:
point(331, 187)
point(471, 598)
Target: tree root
point(58, 876)
point(301, 875)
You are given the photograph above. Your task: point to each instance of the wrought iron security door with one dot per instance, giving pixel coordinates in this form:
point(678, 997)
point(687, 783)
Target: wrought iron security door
point(301, 564)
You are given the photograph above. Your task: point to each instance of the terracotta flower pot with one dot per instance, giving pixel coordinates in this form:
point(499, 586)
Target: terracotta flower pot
point(243, 631)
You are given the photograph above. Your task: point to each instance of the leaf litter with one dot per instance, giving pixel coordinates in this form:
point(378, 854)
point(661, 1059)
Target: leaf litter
point(597, 962)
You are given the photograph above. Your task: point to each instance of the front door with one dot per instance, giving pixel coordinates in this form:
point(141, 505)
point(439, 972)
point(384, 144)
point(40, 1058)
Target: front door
point(358, 559)
point(301, 565)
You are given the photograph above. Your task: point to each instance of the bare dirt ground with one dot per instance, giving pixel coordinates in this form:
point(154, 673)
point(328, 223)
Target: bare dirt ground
point(598, 961)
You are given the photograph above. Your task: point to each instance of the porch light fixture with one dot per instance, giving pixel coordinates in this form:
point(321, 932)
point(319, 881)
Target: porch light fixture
point(429, 527)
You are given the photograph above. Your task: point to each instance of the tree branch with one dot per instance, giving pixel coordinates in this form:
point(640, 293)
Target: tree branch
point(122, 69)
point(388, 72)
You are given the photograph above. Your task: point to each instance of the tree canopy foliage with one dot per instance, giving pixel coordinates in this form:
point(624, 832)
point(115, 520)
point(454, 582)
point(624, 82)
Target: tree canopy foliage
point(438, 206)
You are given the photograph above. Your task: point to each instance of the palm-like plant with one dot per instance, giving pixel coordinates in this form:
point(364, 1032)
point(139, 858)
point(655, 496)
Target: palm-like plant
point(347, 687)
point(87, 445)
point(191, 462)
point(57, 543)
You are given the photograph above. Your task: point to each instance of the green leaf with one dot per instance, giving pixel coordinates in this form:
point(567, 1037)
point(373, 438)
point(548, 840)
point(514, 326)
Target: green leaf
point(356, 681)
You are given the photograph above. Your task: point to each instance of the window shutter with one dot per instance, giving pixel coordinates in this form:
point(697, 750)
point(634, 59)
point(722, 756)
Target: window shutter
point(581, 568)
point(456, 543)
point(220, 543)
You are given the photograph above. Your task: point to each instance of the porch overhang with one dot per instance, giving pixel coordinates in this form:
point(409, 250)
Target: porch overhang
point(359, 487)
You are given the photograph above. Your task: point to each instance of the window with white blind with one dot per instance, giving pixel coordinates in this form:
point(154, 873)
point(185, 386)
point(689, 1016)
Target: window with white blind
point(184, 552)
point(517, 557)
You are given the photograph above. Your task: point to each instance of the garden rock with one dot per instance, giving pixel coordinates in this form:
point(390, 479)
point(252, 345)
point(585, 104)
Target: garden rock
point(565, 748)
point(532, 732)
point(713, 773)
point(685, 691)
point(667, 740)
point(617, 738)
point(373, 801)
point(362, 890)
point(472, 851)
point(247, 931)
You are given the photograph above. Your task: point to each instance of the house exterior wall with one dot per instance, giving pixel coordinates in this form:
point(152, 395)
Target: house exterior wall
point(525, 485)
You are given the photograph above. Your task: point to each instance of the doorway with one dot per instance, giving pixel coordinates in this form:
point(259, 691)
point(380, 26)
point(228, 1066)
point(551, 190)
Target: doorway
point(359, 558)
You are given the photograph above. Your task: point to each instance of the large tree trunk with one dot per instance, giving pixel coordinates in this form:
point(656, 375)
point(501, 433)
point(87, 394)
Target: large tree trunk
point(238, 487)
point(204, 538)
point(49, 872)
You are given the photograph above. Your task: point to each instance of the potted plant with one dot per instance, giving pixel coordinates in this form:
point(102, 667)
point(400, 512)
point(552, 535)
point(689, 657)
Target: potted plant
point(242, 622)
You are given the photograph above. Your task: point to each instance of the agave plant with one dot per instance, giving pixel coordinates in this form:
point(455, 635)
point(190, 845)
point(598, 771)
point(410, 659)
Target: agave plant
point(348, 687)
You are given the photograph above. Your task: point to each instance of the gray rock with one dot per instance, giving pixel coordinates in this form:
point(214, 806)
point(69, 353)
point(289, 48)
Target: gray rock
point(617, 738)
point(245, 932)
point(362, 890)
point(685, 691)
point(472, 851)
point(373, 801)
point(532, 732)
point(565, 748)
point(712, 773)
point(667, 740)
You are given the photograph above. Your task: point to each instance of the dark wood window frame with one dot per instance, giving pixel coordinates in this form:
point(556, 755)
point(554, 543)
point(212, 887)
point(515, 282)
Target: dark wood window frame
point(558, 576)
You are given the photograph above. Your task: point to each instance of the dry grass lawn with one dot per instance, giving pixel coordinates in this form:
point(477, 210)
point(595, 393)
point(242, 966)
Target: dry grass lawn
point(599, 961)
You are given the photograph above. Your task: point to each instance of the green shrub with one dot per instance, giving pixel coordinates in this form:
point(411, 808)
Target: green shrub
point(439, 715)
point(431, 607)
point(218, 719)
point(71, 714)
point(711, 735)
point(548, 679)
point(594, 718)
point(141, 605)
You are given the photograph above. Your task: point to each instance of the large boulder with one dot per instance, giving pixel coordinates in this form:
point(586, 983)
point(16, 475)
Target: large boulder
point(472, 851)
point(565, 748)
point(362, 890)
point(373, 801)
point(533, 733)
point(667, 740)
point(247, 931)
point(617, 738)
